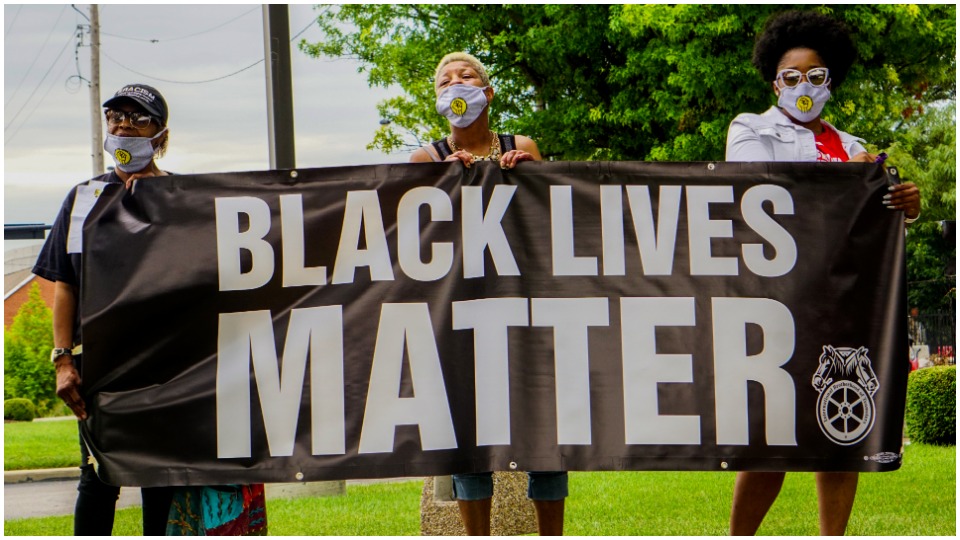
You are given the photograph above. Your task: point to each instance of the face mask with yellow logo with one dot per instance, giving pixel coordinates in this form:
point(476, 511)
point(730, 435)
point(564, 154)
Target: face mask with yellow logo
point(803, 102)
point(131, 154)
point(462, 104)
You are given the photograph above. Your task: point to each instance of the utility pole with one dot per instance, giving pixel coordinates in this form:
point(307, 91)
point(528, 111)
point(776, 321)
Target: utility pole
point(96, 135)
point(276, 36)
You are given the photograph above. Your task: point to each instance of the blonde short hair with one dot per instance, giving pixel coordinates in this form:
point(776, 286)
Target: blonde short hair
point(463, 57)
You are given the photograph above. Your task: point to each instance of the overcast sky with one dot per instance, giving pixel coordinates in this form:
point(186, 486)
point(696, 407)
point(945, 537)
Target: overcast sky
point(214, 126)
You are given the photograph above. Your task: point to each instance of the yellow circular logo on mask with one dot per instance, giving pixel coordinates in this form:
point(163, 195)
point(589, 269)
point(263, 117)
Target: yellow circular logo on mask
point(458, 106)
point(123, 157)
point(804, 104)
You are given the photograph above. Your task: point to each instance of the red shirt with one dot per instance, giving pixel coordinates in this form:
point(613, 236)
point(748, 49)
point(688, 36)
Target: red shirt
point(829, 147)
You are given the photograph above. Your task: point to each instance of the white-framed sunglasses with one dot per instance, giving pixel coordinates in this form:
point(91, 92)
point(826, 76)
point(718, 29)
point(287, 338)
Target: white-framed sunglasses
point(817, 76)
point(137, 120)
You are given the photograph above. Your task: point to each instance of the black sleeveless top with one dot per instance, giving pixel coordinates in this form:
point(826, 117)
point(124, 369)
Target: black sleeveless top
point(507, 143)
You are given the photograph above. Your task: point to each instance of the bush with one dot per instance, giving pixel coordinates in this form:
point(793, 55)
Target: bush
point(27, 370)
point(932, 405)
point(19, 409)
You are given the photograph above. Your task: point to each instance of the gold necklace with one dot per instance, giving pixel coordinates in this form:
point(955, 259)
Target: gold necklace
point(494, 154)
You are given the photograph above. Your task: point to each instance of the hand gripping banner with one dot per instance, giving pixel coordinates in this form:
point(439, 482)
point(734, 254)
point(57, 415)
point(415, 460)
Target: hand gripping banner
point(424, 319)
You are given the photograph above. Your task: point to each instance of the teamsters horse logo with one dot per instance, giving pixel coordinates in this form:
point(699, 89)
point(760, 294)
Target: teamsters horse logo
point(846, 383)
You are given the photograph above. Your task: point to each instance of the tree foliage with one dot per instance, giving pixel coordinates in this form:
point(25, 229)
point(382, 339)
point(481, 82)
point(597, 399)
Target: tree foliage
point(926, 154)
point(663, 82)
point(656, 82)
point(27, 370)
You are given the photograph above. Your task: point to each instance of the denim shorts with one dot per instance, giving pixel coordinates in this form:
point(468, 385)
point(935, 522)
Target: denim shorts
point(541, 486)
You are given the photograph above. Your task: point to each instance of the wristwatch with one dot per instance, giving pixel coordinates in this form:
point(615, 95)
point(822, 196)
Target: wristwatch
point(58, 352)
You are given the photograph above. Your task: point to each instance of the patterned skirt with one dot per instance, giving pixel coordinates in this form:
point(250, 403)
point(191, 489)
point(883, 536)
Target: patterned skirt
point(235, 510)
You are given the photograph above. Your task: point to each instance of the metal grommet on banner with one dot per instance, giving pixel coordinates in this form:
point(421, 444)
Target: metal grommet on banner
point(513, 465)
point(711, 166)
point(892, 171)
point(298, 476)
point(294, 174)
point(724, 465)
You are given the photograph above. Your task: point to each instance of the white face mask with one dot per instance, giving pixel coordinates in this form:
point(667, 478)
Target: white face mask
point(131, 154)
point(804, 101)
point(462, 104)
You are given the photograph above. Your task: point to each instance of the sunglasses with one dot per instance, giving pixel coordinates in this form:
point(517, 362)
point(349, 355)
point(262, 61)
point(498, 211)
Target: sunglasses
point(818, 76)
point(136, 119)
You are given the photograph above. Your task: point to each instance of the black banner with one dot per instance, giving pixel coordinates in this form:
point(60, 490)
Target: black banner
point(422, 319)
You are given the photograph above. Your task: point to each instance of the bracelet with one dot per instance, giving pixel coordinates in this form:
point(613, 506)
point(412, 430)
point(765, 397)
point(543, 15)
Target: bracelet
point(910, 220)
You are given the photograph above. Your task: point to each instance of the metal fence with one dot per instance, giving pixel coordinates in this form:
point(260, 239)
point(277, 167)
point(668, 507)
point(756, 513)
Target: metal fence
point(940, 334)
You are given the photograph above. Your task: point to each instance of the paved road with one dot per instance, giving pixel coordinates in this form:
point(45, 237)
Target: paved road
point(58, 497)
point(51, 498)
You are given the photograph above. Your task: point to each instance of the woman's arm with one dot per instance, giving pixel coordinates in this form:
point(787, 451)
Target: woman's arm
point(68, 379)
point(421, 155)
point(526, 151)
point(744, 144)
point(906, 197)
point(424, 154)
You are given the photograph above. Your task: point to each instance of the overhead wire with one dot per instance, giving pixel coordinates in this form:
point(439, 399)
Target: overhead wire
point(108, 57)
point(82, 14)
point(36, 106)
point(34, 91)
point(9, 136)
point(115, 61)
point(35, 58)
point(164, 40)
point(13, 21)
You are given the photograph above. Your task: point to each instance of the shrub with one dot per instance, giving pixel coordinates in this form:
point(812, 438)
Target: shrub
point(28, 372)
point(19, 409)
point(932, 405)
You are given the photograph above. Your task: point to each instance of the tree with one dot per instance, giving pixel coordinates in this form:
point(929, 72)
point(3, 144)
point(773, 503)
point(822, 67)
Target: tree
point(28, 372)
point(926, 153)
point(655, 82)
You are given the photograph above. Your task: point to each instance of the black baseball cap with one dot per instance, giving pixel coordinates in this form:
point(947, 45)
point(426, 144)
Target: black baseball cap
point(144, 95)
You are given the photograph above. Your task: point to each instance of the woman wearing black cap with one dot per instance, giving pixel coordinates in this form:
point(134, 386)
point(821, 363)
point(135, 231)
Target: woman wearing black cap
point(136, 133)
point(804, 55)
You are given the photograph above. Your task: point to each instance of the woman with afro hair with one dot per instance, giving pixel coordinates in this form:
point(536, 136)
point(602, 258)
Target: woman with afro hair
point(804, 55)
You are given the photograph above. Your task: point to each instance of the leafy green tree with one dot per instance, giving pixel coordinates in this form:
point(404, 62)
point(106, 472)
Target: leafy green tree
point(926, 154)
point(28, 372)
point(657, 82)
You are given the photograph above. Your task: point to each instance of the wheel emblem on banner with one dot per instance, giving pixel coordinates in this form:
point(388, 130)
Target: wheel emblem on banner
point(847, 383)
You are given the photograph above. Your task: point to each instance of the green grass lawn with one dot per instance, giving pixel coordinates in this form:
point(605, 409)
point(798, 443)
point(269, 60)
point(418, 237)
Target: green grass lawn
point(40, 445)
point(919, 499)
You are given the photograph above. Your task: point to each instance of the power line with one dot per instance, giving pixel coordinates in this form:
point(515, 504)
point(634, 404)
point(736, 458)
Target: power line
point(180, 82)
point(33, 93)
point(6, 31)
point(82, 14)
point(158, 40)
point(131, 70)
point(305, 28)
point(35, 58)
point(35, 107)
